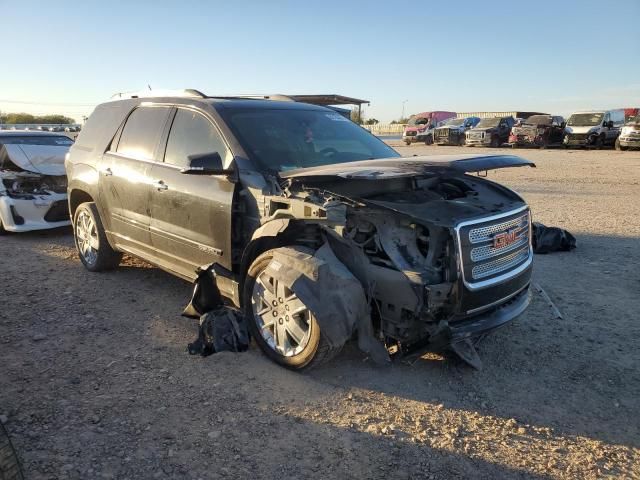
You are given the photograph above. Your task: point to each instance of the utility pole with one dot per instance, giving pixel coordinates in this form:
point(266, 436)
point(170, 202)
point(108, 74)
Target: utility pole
point(403, 102)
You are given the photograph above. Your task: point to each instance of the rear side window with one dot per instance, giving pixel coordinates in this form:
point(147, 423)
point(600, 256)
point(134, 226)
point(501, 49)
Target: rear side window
point(192, 134)
point(142, 132)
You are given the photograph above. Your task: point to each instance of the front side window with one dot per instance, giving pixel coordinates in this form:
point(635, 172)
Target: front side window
point(142, 132)
point(192, 134)
point(283, 139)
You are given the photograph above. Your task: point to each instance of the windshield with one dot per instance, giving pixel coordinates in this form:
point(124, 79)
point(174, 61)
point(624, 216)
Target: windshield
point(538, 120)
point(36, 140)
point(284, 139)
point(585, 119)
point(413, 121)
point(488, 122)
point(454, 122)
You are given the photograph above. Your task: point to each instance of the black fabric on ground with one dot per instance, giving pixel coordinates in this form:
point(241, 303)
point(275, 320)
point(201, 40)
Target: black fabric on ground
point(551, 239)
point(221, 330)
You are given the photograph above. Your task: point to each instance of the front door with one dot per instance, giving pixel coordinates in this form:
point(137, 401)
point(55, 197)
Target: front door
point(191, 214)
point(124, 185)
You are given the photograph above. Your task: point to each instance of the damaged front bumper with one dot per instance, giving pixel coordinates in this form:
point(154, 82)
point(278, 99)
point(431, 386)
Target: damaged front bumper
point(37, 213)
point(461, 335)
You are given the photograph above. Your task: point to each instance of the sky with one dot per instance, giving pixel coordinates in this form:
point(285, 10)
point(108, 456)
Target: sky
point(542, 55)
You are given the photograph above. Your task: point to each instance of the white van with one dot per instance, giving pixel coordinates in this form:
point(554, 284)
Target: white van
point(597, 128)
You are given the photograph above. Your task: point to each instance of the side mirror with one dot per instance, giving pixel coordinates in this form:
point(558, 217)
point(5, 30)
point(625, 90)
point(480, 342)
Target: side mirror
point(563, 124)
point(205, 164)
point(610, 124)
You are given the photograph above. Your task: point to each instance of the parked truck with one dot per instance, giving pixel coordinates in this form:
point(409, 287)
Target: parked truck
point(538, 131)
point(452, 131)
point(593, 128)
point(421, 125)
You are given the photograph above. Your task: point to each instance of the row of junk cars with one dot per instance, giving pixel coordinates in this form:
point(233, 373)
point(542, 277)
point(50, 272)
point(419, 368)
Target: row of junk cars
point(596, 128)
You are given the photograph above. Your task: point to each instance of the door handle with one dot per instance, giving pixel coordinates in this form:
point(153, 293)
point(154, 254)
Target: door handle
point(161, 186)
point(107, 172)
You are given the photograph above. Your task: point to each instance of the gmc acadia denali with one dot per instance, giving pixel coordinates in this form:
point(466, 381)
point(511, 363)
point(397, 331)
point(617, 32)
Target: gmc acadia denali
point(316, 229)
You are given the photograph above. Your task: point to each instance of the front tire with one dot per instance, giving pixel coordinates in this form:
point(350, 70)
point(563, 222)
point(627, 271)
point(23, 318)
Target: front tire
point(91, 241)
point(619, 147)
point(284, 328)
point(495, 142)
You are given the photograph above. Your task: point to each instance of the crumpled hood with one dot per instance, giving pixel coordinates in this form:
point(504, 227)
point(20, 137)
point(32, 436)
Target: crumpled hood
point(43, 159)
point(527, 128)
point(408, 166)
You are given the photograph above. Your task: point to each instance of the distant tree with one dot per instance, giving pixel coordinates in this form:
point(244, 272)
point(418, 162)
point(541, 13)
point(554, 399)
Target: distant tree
point(20, 118)
point(400, 120)
point(13, 118)
point(54, 119)
point(372, 121)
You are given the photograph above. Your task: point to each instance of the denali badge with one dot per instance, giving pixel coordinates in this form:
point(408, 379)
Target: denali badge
point(504, 239)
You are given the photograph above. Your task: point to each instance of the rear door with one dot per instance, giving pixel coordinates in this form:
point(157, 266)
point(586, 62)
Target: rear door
point(191, 214)
point(124, 185)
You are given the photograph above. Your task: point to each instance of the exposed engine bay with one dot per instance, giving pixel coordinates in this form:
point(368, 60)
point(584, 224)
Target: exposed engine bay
point(404, 236)
point(25, 185)
point(33, 185)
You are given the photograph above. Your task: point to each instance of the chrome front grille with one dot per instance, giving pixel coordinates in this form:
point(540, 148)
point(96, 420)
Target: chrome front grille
point(495, 249)
point(489, 251)
point(484, 234)
point(500, 265)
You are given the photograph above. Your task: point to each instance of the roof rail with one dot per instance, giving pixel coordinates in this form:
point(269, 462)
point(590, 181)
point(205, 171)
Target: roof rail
point(277, 96)
point(188, 92)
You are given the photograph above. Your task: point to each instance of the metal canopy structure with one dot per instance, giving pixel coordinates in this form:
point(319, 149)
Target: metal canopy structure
point(331, 99)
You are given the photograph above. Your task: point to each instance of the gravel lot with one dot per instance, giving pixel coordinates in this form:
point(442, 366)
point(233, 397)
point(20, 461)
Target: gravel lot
point(95, 381)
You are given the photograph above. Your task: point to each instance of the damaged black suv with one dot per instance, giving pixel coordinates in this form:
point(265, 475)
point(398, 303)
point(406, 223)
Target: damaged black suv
point(316, 229)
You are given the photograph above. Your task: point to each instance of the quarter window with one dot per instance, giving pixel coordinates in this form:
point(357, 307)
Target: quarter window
point(142, 132)
point(192, 134)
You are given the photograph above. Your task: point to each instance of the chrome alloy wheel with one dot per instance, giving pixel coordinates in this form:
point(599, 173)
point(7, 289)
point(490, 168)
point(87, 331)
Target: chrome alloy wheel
point(87, 237)
point(283, 320)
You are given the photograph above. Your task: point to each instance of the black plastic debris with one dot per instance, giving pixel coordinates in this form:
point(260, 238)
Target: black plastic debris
point(222, 328)
point(551, 239)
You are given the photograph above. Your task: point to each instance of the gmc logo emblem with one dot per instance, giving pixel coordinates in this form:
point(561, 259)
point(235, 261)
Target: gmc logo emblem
point(504, 239)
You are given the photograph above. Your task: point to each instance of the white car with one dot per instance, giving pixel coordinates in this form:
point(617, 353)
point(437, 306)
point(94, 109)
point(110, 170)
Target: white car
point(33, 183)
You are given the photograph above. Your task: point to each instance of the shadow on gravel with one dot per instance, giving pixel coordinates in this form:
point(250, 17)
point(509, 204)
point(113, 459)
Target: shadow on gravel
point(576, 375)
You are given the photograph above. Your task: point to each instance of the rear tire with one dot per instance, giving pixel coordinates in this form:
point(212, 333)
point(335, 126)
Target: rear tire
point(94, 249)
point(272, 335)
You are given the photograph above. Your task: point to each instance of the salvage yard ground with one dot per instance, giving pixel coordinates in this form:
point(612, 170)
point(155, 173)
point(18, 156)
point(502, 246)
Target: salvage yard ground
point(95, 381)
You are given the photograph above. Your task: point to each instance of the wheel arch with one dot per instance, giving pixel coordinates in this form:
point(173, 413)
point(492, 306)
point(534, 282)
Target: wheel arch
point(275, 234)
point(77, 196)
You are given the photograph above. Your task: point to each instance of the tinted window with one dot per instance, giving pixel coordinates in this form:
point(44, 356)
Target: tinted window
point(142, 131)
point(282, 139)
point(192, 134)
point(37, 140)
